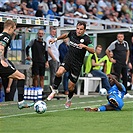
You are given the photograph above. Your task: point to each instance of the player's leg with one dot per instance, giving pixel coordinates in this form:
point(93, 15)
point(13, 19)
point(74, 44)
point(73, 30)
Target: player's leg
point(102, 108)
point(65, 82)
point(10, 95)
point(71, 87)
point(10, 72)
point(21, 77)
point(112, 100)
point(17, 75)
point(21, 102)
point(20, 86)
point(57, 82)
point(74, 74)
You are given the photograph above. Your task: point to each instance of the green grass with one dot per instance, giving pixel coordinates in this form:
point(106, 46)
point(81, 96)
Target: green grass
point(74, 120)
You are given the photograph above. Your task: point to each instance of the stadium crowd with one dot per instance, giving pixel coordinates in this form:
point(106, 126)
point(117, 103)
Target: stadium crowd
point(110, 10)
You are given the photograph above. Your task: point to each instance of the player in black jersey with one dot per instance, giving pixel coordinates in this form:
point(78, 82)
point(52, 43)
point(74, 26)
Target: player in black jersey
point(7, 70)
point(79, 44)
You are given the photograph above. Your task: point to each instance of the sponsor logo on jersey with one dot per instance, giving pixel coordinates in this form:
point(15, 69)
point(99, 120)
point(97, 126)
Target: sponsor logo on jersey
point(82, 40)
point(74, 45)
point(6, 39)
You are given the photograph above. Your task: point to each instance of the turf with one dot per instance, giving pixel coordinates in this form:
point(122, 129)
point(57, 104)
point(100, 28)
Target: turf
point(57, 119)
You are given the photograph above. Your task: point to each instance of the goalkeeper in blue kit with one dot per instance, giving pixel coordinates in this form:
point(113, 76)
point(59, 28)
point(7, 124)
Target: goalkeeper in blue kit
point(114, 97)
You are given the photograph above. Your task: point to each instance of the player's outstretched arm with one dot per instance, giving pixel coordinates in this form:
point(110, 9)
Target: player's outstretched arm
point(89, 49)
point(63, 36)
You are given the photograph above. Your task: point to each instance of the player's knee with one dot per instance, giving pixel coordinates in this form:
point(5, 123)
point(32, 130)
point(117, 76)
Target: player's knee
point(59, 73)
point(71, 86)
point(22, 76)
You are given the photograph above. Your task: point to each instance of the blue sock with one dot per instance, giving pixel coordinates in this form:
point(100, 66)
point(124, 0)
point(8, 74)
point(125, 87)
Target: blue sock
point(102, 108)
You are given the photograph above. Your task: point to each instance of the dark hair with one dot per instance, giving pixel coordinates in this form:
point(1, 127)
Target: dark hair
point(82, 23)
point(115, 74)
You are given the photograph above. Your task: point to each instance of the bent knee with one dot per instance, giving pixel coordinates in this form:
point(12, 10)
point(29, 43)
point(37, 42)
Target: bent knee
point(23, 76)
point(59, 74)
point(71, 86)
point(60, 71)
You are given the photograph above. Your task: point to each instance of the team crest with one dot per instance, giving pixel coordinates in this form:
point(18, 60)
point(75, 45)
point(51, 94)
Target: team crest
point(81, 40)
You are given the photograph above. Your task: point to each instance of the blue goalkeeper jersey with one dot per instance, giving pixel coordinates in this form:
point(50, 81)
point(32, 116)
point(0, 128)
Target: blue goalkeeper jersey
point(115, 91)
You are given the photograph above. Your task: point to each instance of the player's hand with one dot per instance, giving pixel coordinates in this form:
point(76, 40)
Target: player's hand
point(111, 78)
point(51, 41)
point(81, 45)
point(7, 89)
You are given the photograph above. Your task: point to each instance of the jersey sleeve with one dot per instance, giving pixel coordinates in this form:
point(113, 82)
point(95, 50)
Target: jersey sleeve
point(4, 40)
point(123, 87)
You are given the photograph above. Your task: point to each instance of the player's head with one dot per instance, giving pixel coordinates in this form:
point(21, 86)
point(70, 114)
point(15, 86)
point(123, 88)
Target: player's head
point(113, 76)
point(9, 26)
point(80, 28)
point(40, 34)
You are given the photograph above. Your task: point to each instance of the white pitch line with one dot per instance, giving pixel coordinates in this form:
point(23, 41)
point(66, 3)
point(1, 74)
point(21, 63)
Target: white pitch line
point(9, 116)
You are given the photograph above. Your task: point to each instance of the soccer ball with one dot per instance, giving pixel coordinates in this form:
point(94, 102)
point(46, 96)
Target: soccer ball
point(103, 92)
point(40, 107)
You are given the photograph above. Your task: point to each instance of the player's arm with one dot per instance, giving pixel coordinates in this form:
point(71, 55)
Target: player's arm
point(119, 86)
point(9, 85)
point(63, 36)
point(89, 49)
point(1, 50)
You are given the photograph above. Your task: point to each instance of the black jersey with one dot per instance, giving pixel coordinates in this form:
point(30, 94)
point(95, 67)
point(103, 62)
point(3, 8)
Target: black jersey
point(76, 54)
point(5, 38)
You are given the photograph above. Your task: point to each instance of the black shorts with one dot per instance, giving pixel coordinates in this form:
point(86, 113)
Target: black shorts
point(7, 71)
point(38, 69)
point(74, 70)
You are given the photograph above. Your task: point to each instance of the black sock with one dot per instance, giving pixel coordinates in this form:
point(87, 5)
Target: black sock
point(57, 82)
point(20, 87)
point(20, 97)
point(70, 95)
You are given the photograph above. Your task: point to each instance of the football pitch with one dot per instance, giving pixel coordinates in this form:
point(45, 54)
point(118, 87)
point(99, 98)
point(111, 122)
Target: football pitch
point(57, 119)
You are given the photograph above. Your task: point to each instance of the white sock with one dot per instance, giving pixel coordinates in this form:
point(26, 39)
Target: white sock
point(69, 99)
